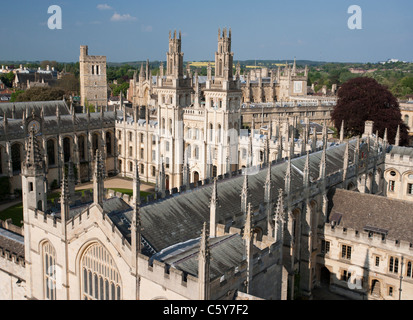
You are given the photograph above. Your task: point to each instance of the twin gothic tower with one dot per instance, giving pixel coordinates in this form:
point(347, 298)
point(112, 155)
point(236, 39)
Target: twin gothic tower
point(198, 118)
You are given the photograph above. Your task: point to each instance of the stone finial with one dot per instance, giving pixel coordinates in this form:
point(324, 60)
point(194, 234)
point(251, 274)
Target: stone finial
point(33, 153)
point(98, 179)
point(323, 163)
point(342, 132)
point(213, 209)
point(279, 219)
point(244, 194)
point(397, 139)
point(287, 178)
point(204, 258)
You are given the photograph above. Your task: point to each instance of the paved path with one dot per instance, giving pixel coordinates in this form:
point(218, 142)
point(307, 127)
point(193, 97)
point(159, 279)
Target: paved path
point(117, 183)
point(7, 205)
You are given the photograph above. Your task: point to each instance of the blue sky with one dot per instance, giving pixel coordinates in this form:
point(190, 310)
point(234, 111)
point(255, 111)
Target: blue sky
point(133, 30)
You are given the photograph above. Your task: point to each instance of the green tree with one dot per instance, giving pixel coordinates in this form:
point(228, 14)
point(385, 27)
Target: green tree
point(41, 94)
point(7, 79)
point(121, 88)
point(361, 99)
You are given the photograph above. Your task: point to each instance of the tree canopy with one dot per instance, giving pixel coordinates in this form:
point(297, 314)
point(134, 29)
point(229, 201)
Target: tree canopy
point(361, 99)
point(40, 94)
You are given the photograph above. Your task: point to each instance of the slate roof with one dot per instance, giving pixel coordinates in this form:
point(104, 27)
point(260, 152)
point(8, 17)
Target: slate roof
point(180, 217)
point(226, 252)
point(12, 242)
point(34, 77)
point(49, 108)
point(403, 151)
point(359, 210)
point(16, 130)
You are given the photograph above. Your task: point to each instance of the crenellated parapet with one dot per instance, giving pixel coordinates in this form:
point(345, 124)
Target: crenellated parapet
point(12, 257)
point(167, 277)
point(369, 239)
point(8, 225)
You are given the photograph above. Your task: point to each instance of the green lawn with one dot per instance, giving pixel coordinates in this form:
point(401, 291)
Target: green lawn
point(16, 212)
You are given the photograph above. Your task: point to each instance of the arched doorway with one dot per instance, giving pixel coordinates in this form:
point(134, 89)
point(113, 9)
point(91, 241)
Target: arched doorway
point(167, 182)
point(375, 288)
point(214, 171)
point(325, 277)
point(196, 177)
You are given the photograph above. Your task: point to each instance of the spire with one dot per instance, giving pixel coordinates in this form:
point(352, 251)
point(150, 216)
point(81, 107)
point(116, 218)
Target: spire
point(248, 238)
point(357, 152)
point(204, 259)
point(162, 180)
point(250, 151)
point(186, 178)
point(268, 201)
point(64, 201)
point(5, 121)
point(238, 70)
point(267, 151)
point(98, 184)
point(345, 161)
point(267, 186)
point(209, 71)
point(142, 73)
point(213, 207)
point(342, 132)
point(279, 148)
point(136, 185)
point(397, 139)
point(279, 217)
point(294, 70)
point(323, 164)
point(385, 141)
point(314, 140)
point(306, 172)
point(34, 160)
point(291, 148)
point(325, 138)
point(287, 178)
point(244, 194)
point(148, 68)
point(136, 223)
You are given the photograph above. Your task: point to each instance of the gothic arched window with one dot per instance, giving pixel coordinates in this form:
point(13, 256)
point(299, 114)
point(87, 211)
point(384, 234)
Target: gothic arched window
point(100, 276)
point(16, 156)
point(66, 149)
point(49, 271)
point(82, 153)
point(51, 154)
point(108, 143)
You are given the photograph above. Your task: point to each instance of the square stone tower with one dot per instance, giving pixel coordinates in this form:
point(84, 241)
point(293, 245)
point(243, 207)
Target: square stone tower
point(93, 85)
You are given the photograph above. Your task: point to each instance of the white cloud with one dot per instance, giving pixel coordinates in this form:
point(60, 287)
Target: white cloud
point(104, 7)
point(147, 28)
point(124, 17)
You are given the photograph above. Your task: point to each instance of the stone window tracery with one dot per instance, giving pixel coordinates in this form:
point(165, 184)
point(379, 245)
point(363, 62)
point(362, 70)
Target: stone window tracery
point(100, 276)
point(49, 271)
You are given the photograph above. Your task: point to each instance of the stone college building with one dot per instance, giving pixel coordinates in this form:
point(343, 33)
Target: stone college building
point(268, 213)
